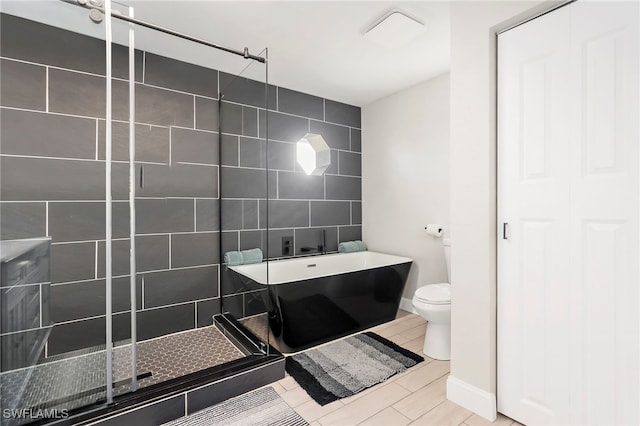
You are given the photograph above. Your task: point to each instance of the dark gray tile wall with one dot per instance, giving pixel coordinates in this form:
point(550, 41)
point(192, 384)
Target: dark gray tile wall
point(190, 178)
point(300, 207)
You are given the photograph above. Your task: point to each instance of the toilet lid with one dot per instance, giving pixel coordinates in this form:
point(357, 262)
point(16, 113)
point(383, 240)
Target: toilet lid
point(434, 293)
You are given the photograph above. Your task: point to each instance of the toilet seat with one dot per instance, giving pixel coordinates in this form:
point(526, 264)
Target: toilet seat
point(435, 294)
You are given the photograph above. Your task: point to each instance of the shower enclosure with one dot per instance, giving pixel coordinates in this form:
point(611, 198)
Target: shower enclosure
point(132, 158)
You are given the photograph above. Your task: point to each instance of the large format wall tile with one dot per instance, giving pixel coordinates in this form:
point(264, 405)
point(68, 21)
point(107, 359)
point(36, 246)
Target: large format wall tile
point(180, 285)
point(229, 150)
point(330, 213)
point(230, 118)
point(158, 322)
point(85, 221)
point(246, 183)
point(343, 188)
point(73, 262)
point(164, 215)
point(207, 215)
point(282, 156)
point(164, 107)
point(356, 140)
point(152, 142)
point(274, 238)
point(297, 185)
point(85, 95)
point(245, 91)
point(22, 220)
point(349, 233)
point(336, 112)
point(284, 213)
point(29, 178)
point(312, 237)
point(206, 114)
point(300, 104)
point(202, 248)
point(284, 127)
point(44, 44)
point(152, 254)
point(337, 137)
point(23, 85)
point(253, 152)
point(87, 299)
point(231, 214)
point(170, 73)
point(350, 164)
point(178, 180)
point(47, 135)
point(356, 212)
point(252, 239)
point(206, 310)
point(193, 146)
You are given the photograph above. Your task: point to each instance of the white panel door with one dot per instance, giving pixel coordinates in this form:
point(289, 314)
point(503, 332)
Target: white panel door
point(568, 188)
point(533, 320)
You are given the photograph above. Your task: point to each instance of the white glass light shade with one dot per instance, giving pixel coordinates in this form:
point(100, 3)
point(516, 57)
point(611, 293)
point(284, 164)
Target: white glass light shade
point(313, 154)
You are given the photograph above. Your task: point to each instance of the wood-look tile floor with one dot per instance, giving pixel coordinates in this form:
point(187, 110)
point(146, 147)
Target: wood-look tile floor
point(415, 397)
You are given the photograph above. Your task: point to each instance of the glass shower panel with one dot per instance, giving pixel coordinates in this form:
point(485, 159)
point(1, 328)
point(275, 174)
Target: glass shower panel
point(245, 98)
point(125, 291)
point(177, 207)
point(52, 211)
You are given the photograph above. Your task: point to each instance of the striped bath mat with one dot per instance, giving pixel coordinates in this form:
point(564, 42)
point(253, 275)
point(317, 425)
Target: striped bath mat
point(259, 407)
point(348, 366)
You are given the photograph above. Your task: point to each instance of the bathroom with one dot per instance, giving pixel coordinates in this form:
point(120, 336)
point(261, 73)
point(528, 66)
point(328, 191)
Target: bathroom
point(217, 171)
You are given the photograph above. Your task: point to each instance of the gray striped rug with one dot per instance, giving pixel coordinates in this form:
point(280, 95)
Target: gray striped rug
point(259, 407)
point(348, 366)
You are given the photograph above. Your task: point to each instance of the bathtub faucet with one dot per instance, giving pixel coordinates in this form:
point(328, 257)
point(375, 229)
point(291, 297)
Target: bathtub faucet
point(321, 248)
point(324, 241)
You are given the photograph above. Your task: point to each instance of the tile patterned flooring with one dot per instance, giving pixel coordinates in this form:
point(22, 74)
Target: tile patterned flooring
point(79, 380)
point(415, 397)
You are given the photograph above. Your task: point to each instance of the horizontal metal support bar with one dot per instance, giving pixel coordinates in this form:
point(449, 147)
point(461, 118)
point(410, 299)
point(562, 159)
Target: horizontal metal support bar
point(115, 14)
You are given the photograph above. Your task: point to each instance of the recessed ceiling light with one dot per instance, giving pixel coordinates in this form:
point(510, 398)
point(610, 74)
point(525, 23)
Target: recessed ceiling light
point(394, 29)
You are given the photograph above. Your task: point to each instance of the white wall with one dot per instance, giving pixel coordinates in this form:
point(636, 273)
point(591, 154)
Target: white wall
point(473, 196)
point(405, 177)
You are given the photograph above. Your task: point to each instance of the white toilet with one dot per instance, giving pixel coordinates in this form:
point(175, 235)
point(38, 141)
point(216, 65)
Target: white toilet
point(433, 303)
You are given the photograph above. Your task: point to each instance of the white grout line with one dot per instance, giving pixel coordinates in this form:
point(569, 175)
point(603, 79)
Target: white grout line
point(195, 207)
point(170, 263)
point(97, 138)
point(142, 287)
point(40, 294)
point(46, 218)
point(46, 93)
point(324, 109)
point(189, 163)
point(95, 259)
point(351, 213)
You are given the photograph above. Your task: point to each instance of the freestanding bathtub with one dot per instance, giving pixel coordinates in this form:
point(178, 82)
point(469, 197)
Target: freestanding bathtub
point(314, 299)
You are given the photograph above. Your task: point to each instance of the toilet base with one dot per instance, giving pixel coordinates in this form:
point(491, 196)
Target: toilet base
point(437, 341)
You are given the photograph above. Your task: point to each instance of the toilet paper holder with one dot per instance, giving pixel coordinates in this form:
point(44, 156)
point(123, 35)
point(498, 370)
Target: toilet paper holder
point(434, 230)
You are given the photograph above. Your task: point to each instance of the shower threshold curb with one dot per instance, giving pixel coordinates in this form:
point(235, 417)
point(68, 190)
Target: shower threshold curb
point(184, 395)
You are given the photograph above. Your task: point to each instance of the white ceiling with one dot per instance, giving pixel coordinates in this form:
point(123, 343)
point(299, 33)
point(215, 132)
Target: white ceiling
point(315, 47)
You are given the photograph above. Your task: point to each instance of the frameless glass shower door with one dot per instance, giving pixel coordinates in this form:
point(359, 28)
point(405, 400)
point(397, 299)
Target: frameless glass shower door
point(52, 211)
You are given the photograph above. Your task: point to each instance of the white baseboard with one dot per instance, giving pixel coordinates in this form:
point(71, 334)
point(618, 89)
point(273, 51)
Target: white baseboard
point(406, 305)
point(479, 401)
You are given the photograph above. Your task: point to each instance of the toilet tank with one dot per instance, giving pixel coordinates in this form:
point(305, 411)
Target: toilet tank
point(446, 242)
